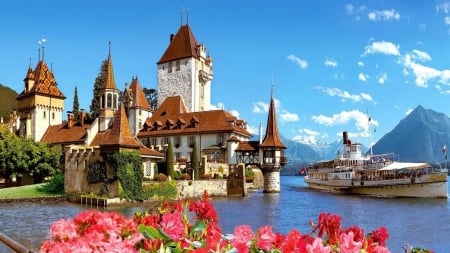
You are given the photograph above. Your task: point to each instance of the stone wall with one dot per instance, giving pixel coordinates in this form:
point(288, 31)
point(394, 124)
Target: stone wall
point(196, 188)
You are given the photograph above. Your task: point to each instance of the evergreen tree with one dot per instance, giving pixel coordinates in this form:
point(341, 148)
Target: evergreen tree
point(194, 159)
point(96, 99)
point(76, 105)
point(152, 97)
point(169, 160)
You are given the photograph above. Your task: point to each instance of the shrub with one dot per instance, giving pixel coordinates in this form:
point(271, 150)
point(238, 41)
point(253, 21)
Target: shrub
point(55, 185)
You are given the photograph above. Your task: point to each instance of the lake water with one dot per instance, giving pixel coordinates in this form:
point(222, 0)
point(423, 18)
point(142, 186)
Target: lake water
point(421, 222)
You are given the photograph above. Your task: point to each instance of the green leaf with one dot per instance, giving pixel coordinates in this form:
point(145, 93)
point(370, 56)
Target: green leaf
point(150, 232)
point(199, 226)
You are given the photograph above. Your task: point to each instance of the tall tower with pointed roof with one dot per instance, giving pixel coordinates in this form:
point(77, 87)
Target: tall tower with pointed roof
point(185, 69)
point(136, 105)
point(272, 149)
point(41, 103)
point(109, 101)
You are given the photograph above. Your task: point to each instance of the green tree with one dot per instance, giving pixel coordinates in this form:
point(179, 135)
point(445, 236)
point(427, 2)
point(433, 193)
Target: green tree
point(20, 157)
point(98, 85)
point(169, 160)
point(195, 159)
point(76, 105)
point(152, 97)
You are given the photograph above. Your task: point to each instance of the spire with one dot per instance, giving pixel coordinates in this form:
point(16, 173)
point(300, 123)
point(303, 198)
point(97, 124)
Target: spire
point(272, 138)
point(110, 83)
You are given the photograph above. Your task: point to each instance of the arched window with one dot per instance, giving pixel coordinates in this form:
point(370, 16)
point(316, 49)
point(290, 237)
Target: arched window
point(109, 100)
point(115, 101)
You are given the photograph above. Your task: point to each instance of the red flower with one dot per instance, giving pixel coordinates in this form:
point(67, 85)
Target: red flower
point(379, 236)
point(330, 224)
point(265, 238)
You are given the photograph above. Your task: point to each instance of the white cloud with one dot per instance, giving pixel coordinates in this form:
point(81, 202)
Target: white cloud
point(289, 117)
point(382, 47)
point(382, 78)
point(345, 95)
point(303, 64)
point(260, 107)
point(361, 64)
point(384, 15)
point(447, 20)
point(252, 129)
point(235, 113)
point(331, 63)
point(422, 73)
point(363, 77)
point(445, 7)
point(366, 96)
point(420, 55)
point(349, 8)
point(360, 119)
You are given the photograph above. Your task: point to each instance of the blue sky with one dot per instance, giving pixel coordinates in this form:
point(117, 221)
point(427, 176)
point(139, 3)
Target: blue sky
point(330, 62)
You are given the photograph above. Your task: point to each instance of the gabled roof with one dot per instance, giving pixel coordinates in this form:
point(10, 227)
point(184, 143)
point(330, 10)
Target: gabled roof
point(172, 118)
point(183, 45)
point(118, 134)
point(45, 82)
point(138, 96)
point(272, 138)
point(63, 134)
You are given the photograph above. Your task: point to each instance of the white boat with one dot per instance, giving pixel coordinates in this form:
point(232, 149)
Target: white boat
point(378, 175)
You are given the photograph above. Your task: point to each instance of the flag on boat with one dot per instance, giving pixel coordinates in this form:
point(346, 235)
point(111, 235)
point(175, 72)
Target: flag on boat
point(444, 150)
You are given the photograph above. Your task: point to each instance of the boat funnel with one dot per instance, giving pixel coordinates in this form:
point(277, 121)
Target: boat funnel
point(345, 137)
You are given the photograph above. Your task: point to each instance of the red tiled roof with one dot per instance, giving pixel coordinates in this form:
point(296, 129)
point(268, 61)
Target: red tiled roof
point(173, 110)
point(145, 151)
point(248, 146)
point(183, 45)
point(118, 134)
point(272, 138)
point(138, 95)
point(45, 83)
point(63, 134)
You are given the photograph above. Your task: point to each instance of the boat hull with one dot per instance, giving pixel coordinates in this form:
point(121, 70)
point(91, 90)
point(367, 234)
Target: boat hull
point(406, 188)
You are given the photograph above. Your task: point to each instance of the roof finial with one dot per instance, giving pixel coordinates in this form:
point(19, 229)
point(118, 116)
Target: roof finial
point(187, 16)
point(41, 42)
point(30, 61)
point(271, 88)
point(109, 48)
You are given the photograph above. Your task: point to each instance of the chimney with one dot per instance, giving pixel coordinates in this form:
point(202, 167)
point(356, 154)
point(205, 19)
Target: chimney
point(171, 37)
point(82, 118)
point(70, 119)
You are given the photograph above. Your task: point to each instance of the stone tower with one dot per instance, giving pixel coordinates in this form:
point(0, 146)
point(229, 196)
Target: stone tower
point(40, 104)
point(272, 149)
point(109, 96)
point(185, 69)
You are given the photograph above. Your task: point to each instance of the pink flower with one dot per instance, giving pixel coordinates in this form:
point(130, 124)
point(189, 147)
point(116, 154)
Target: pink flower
point(242, 234)
point(265, 238)
point(317, 247)
point(347, 244)
point(63, 230)
point(173, 226)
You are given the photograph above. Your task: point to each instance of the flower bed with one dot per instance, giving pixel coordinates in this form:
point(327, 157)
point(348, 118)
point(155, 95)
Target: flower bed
point(192, 226)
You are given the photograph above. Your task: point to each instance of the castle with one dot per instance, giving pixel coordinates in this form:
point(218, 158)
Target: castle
point(183, 116)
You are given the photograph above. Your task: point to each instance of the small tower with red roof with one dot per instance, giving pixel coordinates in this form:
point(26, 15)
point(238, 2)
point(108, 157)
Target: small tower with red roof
point(272, 153)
